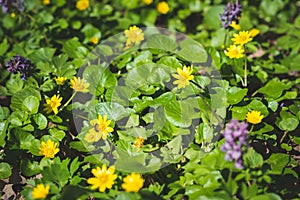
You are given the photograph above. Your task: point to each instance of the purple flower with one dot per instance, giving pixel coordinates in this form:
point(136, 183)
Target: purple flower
point(232, 12)
point(19, 64)
point(236, 137)
point(7, 5)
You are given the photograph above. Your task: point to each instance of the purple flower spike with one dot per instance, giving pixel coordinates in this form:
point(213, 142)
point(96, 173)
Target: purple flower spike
point(232, 12)
point(7, 5)
point(236, 136)
point(19, 64)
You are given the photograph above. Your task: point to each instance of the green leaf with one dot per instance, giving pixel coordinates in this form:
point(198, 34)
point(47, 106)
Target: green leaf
point(90, 32)
point(192, 51)
point(114, 111)
point(29, 168)
point(14, 84)
point(5, 170)
point(31, 104)
point(57, 172)
point(273, 105)
point(99, 77)
point(128, 196)
point(165, 98)
point(170, 61)
point(40, 120)
point(74, 48)
point(161, 42)
point(24, 139)
point(4, 46)
point(288, 124)
point(148, 74)
point(258, 106)
point(17, 118)
point(74, 166)
point(211, 17)
point(269, 196)
point(57, 134)
point(4, 113)
point(278, 162)
point(235, 95)
point(253, 159)
point(18, 98)
point(42, 55)
point(179, 113)
point(274, 88)
point(3, 127)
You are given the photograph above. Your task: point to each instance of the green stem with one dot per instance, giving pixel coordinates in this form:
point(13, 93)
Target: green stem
point(251, 129)
point(67, 103)
point(284, 135)
point(245, 73)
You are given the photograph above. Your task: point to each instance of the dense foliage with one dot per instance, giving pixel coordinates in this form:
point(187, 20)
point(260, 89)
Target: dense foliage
point(142, 99)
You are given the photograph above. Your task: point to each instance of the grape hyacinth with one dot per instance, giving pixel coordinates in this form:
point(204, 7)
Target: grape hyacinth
point(236, 137)
point(7, 5)
point(19, 64)
point(232, 12)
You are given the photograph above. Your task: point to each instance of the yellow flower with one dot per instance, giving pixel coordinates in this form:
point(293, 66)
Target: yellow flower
point(235, 26)
point(60, 80)
point(133, 182)
point(40, 191)
point(234, 51)
point(148, 2)
point(48, 149)
point(82, 4)
point(134, 35)
point(13, 15)
point(253, 32)
point(242, 38)
point(95, 40)
point(52, 104)
point(184, 76)
point(254, 117)
point(93, 136)
point(139, 142)
point(78, 85)
point(100, 126)
point(104, 178)
point(163, 7)
point(46, 2)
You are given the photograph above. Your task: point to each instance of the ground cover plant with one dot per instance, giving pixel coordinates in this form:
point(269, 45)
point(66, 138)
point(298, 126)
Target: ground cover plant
point(149, 99)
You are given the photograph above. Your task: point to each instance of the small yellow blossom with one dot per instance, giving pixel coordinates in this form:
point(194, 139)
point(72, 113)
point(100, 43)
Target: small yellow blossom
point(101, 125)
point(184, 76)
point(148, 2)
point(40, 191)
point(78, 85)
point(253, 32)
point(95, 40)
point(139, 142)
point(60, 80)
point(46, 2)
point(82, 4)
point(163, 7)
point(104, 178)
point(235, 26)
point(234, 51)
point(133, 182)
point(134, 35)
point(254, 117)
point(53, 104)
point(48, 149)
point(93, 135)
point(242, 38)
point(13, 15)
